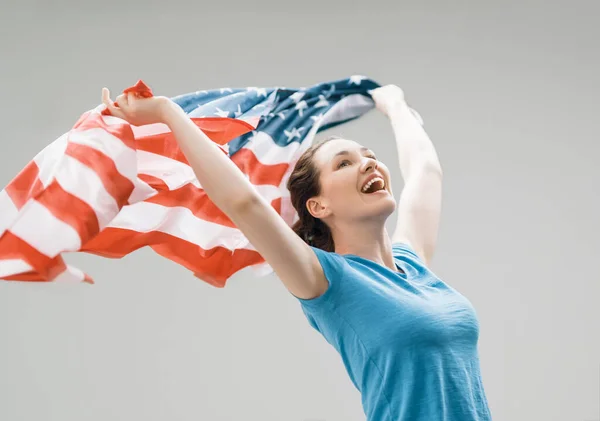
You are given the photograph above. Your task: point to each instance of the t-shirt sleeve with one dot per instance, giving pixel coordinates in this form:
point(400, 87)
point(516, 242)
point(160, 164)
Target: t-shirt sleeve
point(333, 268)
point(407, 258)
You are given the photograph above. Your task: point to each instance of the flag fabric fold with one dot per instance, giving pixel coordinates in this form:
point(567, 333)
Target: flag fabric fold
point(109, 188)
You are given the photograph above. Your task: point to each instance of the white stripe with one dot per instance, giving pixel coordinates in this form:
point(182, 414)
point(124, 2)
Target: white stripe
point(43, 231)
point(10, 267)
point(179, 222)
point(49, 159)
point(83, 183)
point(123, 156)
point(268, 152)
point(172, 172)
point(149, 130)
point(141, 191)
point(8, 211)
point(253, 271)
point(113, 121)
point(268, 191)
point(348, 107)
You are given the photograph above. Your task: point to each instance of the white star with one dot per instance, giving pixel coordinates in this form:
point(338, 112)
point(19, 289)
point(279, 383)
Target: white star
point(322, 102)
point(297, 96)
point(356, 79)
point(221, 113)
point(223, 90)
point(281, 115)
point(259, 91)
point(301, 106)
point(294, 133)
point(317, 117)
point(238, 113)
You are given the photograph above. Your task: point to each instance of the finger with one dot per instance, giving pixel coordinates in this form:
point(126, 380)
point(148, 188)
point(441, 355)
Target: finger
point(109, 105)
point(106, 96)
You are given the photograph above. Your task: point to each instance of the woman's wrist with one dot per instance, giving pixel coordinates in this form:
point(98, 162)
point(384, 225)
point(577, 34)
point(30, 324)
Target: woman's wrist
point(398, 108)
point(170, 111)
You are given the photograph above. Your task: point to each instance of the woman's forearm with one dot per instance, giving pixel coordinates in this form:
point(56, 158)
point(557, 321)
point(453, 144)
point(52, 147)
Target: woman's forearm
point(415, 149)
point(221, 179)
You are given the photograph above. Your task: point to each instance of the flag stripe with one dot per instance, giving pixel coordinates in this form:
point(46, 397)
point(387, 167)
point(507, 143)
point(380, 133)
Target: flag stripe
point(180, 222)
point(14, 248)
point(118, 186)
point(171, 172)
point(268, 152)
point(213, 265)
point(11, 266)
point(8, 211)
point(71, 210)
point(37, 226)
point(258, 172)
point(116, 128)
point(199, 203)
point(110, 146)
point(25, 185)
point(49, 158)
point(92, 192)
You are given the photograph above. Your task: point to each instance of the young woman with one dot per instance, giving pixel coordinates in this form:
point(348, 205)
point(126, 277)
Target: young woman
point(407, 339)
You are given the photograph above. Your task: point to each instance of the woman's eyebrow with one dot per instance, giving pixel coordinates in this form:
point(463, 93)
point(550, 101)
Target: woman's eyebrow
point(344, 152)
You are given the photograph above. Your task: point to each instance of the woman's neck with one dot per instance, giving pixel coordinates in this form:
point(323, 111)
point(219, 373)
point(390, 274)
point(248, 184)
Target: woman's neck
point(368, 240)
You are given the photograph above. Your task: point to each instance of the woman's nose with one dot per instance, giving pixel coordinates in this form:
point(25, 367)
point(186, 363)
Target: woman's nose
point(370, 165)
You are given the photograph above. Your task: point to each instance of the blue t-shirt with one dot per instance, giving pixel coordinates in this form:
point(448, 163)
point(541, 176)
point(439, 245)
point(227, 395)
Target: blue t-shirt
point(407, 339)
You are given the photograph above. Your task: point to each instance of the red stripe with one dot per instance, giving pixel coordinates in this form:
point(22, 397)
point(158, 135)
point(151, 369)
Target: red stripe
point(25, 185)
point(117, 185)
point(276, 203)
point(154, 182)
point(45, 268)
point(163, 144)
point(222, 130)
point(91, 120)
point(259, 173)
point(213, 266)
point(198, 202)
point(194, 199)
point(71, 210)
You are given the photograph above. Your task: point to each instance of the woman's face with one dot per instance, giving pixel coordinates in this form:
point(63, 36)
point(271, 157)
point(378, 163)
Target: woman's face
point(345, 166)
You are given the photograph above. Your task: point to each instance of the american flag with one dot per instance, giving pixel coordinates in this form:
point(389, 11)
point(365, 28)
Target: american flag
point(109, 188)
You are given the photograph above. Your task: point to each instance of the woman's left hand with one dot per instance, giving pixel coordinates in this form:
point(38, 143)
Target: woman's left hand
point(388, 98)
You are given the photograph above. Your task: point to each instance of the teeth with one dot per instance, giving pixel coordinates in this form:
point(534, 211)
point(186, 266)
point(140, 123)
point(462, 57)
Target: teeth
point(366, 186)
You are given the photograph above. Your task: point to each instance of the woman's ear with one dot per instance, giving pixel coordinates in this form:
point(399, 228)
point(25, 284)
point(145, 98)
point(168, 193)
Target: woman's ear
point(317, 207)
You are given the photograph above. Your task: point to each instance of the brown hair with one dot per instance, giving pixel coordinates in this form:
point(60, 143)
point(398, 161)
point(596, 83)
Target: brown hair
point(303, 184)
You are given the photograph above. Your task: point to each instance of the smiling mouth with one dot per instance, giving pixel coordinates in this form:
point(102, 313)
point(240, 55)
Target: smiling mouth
point(376, 185)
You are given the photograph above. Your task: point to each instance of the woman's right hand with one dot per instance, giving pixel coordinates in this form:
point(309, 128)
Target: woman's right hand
point(139, 111)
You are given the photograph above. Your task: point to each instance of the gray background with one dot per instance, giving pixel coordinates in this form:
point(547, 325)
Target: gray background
point(509, 92)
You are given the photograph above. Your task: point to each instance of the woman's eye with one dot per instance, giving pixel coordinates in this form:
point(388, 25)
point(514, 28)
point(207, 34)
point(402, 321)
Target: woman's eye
point(341, 163)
